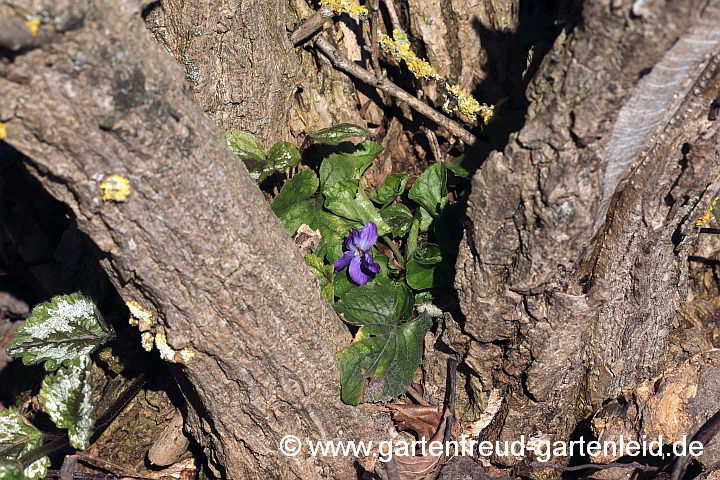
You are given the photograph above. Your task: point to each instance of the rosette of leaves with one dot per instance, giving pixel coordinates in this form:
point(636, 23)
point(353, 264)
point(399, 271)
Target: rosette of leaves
point(65, 328)
point(248, 148)
point(388, 345)
point(18, 438)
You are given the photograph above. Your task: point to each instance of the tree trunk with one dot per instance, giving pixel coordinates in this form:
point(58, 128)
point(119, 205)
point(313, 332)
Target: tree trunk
point(575, 262)
point(195, 244)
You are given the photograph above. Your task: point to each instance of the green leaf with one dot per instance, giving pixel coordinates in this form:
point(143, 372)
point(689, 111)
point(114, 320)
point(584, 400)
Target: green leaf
point(348, 163)
point(343, 190)
point(393, 187)
point(18, 438)
point(423, 277)
point(342, 284)
point(430, 189)
point(428, 254)
point(66, 396)
point(399, 219)
point(360, 209)
point(11, 470)
point(376, 303)
point(16, 433)
point(393, 351)
point(65, 328)
point(423, 297)
point(456, 166)
point(300, 187)
point(245, 145)
point(384, 262)
point(283, 155)
point(38, 468)
point(338, 133)
point(332, 228)
point(412, 240)
point(426, 220)
point(324, 274)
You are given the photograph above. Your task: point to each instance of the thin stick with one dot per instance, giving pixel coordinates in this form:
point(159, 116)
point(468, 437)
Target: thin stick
point(342, 63)
point(434, 145)
point(311, 26)
point(394, 19)
point(374, 55)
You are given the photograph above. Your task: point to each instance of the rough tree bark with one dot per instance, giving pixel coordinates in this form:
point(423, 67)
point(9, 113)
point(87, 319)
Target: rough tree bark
point(196, 243)
point(575, 260)
point(574, 263)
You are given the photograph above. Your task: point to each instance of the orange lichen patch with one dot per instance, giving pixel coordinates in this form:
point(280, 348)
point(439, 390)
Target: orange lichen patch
point(3, 130)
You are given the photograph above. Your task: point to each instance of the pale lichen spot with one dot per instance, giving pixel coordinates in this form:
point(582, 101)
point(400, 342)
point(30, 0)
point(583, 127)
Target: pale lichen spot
point(166, 352)
point(186, 354)
point(140, 316)
point(147, 339)
point(115, 188)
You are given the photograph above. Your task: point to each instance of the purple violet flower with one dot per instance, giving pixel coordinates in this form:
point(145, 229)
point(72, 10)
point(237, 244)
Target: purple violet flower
point(358, 254)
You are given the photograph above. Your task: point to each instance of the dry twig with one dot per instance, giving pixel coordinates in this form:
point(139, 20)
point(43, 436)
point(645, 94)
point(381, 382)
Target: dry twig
point(311, 26)
point(342, 63)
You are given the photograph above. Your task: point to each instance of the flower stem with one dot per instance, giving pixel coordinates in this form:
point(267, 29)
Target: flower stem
point(396, 251)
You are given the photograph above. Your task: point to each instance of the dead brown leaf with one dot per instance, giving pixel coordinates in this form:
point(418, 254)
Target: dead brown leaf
point(425, 420)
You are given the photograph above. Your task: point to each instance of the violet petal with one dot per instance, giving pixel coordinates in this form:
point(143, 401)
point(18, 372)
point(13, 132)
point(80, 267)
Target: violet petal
point(356, 272)
point(367, 237)
point(343, 261)
point(369, 265)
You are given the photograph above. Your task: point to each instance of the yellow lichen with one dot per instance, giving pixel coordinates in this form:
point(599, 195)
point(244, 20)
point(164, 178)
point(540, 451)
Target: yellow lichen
point(168, 353)
point(704, 219)
point(115, 188)
point(487, 112)
point(33, 25)
point(3, 130)
point(345, 6)
point(140, 316)
point(398, 47)
point(186, 354)
point(470, 107)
